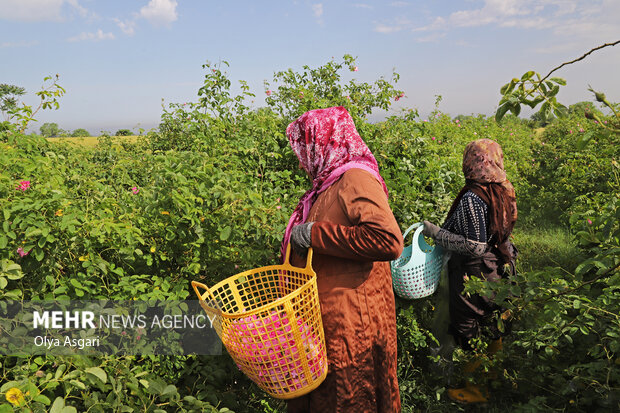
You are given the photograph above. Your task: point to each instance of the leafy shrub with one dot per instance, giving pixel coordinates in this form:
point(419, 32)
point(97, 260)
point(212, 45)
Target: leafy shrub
point(123, 132)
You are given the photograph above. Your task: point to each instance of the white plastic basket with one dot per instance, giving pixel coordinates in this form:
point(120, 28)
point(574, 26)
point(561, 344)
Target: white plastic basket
point(416, 273)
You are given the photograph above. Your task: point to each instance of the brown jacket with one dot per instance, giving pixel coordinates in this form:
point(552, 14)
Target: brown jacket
point(353, 238)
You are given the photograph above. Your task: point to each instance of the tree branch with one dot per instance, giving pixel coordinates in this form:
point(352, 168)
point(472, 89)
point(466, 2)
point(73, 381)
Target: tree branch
point(580, 58)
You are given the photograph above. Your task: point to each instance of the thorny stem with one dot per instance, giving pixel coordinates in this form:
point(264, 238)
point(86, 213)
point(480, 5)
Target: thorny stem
point(580, 58)
point(600, 122)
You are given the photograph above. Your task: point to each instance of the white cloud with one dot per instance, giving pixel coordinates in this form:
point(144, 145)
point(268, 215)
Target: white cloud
point(494, 11)
point(81, 10)
point(363, 6)
point(438, 24)
point(128, 26)
point(399, 4)
point(382, 28)
point(38, 10)
point(17, 44)
point(157, 12)
point(97, 36)
point(571, 18)
point(160, 12)
point(531, 23)
point(317, 9)
point(564, 6)
point(396, 25)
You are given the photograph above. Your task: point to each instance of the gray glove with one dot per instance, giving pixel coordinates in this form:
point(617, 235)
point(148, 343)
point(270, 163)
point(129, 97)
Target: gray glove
point(430, 230)
point(301, 238)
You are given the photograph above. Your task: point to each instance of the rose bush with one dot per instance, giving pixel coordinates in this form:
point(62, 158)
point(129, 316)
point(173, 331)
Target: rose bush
point(209, 195)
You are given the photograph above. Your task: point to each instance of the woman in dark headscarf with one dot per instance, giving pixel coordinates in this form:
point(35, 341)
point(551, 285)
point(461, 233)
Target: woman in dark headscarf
point(477, 233)
point(346, 219)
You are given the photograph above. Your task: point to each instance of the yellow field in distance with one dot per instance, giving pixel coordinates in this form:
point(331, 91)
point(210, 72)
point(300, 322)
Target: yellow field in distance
point(91, 141)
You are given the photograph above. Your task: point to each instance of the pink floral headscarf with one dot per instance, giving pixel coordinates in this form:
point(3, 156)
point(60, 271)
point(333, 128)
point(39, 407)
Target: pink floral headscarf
point(327, 145)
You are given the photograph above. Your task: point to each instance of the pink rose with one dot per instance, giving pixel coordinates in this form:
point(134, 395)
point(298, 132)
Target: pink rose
point(23, 185)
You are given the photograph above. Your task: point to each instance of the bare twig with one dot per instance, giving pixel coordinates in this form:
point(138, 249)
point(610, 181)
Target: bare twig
point(580, 58)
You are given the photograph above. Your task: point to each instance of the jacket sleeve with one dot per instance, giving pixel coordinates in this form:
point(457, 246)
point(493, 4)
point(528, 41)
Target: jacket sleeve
point(373, 234)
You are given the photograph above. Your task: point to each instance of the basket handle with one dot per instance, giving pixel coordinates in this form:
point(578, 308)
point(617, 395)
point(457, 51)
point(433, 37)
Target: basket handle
point(287, 258)
point(415, 245)
point(196, 285)
point(412, 227)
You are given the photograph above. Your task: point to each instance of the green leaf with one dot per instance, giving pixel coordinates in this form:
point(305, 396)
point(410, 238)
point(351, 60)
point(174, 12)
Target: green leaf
point(543, 88)
point(61, 369)
point(58, 405)
point(3, 283)
point(6, 408)
point(558, 80)
point(501, 111)
point(8, 385)
point(42, 399)
point(554, 91)
point(584, 139)
point(156, 386)
point(99, 373)
point(527, 75)
point(33, 232)
point(170, 389)
point(576, 304)
point(11, 270)
point(508, 87)
point(78, 384)
point(225, 233)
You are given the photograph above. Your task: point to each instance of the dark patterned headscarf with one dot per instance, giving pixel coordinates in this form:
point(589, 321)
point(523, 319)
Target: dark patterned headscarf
point(483, 167)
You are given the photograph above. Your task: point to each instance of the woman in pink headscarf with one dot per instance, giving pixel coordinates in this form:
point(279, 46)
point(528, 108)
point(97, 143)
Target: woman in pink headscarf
point(346, 219)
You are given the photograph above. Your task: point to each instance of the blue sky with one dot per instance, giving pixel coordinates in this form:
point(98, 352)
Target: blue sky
point(119, 59)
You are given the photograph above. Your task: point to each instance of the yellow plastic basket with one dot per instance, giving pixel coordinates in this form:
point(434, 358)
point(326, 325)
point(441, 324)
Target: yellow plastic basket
point(269, 320)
